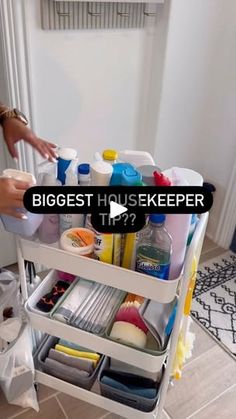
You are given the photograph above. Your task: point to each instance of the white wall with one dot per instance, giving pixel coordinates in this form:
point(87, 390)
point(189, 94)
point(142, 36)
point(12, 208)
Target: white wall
point(86, 84)
point(89, 88)
point(197, 123)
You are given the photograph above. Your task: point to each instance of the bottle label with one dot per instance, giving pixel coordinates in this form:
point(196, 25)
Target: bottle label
point(151, 267)
point(65, 222)
point(103, 247)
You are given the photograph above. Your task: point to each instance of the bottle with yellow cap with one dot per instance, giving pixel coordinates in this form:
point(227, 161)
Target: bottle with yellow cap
point(110, 156)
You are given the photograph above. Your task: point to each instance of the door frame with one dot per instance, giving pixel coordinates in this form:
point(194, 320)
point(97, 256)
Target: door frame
point(227, 221)
point(17, 72)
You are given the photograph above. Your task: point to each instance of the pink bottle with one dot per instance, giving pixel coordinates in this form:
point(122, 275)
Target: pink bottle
point(48, 231)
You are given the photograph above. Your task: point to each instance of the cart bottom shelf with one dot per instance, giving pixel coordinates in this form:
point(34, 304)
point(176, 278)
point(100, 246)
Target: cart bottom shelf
point(93, 398)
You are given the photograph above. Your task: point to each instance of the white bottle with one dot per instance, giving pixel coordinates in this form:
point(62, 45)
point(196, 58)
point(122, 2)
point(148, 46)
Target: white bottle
point(136, 158)
point(84, 174)
point(68, 221)
point(28, 226)
point(178, 227)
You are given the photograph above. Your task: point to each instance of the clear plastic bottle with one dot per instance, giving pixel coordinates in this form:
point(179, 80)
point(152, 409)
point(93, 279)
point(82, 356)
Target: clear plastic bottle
point(154, 249)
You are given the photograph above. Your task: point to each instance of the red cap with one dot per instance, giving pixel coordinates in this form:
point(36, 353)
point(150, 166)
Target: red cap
point(161, 179)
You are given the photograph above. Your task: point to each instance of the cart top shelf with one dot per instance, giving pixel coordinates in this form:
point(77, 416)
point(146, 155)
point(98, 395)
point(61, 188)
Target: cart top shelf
point(127, 280)
point(150, 287)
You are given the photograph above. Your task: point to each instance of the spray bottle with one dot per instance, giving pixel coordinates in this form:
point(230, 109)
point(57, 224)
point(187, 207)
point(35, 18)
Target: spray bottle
point(68, 221)
point(131, 177)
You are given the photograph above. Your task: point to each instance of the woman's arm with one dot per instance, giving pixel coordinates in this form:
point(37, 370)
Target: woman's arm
point(14, 125)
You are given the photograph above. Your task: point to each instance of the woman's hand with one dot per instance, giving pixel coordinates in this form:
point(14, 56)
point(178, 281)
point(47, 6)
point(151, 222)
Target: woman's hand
point(11, 197)
point(14, 131)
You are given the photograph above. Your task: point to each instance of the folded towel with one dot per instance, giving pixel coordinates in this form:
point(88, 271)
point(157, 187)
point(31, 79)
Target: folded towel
point(90, 355)
point(66, 373)
point(83, 364)
point(72, 345)
point(120, 366)
point(148, 393)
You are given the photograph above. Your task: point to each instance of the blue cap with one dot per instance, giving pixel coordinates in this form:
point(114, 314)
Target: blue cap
point(157, 218)
point(84, 169)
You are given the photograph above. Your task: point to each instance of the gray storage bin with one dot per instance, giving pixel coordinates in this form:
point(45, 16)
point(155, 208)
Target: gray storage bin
point(137, 402)
point(84, 382)
point(110, 316)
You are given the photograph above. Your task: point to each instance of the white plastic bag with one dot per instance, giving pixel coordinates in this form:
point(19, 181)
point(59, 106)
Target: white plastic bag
point(17, 372)
point(9, 291)
point(10, 304)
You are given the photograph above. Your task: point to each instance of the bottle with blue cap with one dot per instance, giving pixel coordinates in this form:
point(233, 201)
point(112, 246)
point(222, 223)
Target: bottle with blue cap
point(153, 255)
point(84, 174)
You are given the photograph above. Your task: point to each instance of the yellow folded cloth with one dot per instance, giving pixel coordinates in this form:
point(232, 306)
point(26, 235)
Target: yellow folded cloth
point(79, 354)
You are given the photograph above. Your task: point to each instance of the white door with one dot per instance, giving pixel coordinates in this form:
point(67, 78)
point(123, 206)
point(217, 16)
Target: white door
point(7, 241)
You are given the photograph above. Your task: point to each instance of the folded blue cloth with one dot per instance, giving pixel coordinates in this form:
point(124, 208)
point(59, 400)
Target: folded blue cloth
point(148, 393)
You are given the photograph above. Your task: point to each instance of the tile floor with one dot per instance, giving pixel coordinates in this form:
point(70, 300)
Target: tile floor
point(207, 389)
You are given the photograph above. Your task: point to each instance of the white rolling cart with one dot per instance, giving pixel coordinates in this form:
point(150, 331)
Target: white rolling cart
point(147, 286)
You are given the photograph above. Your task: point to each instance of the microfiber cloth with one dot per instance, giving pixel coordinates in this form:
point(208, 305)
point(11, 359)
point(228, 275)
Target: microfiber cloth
point(94, 356)
point(70, 374)
point(148, 393)
point(72, 345)
point(83, 364)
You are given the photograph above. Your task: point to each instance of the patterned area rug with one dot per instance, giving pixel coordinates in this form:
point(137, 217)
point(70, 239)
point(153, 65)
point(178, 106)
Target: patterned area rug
point(214, 302)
